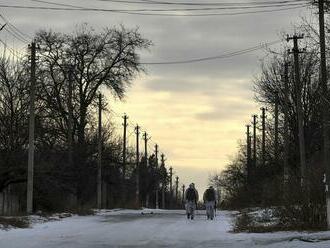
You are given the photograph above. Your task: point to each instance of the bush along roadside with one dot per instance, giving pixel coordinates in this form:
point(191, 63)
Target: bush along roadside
point(10, 222)
point(284, 218)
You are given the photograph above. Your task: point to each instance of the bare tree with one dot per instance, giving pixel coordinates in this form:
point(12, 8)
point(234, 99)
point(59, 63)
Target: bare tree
point(14, 103)
point(108, 59)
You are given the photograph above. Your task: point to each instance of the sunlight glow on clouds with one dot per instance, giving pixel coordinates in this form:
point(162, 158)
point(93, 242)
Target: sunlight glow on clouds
point(196, 131)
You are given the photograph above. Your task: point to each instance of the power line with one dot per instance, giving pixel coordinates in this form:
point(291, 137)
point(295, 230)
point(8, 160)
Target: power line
point(217, 8)
point(180, 9)
point(15, 35)
point(222, 56)
point(150, 2)
point(216, 14)
point(56, 4)
point(9, 30)
point(15, 31)
point(137, 12)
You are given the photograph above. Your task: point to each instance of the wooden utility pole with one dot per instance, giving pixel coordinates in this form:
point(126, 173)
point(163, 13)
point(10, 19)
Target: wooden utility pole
point(30, 172)
point(286, 124)
point(276, 145)
point(99, 157)
point(171, 186)
point(162, 159)
point(254, 123)
point(137, 192)
point(163, 183)
point(300, 115)
point(156, 154)
point(176, 190)
point(248, 153)
point(125, 117)
point(157, 184)
point(145, 138)
point(326, 127)
point(70, 117)
point(183, 194)
point(263, 139)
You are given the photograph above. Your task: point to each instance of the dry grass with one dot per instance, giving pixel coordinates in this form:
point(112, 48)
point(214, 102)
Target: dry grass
point(14, 222)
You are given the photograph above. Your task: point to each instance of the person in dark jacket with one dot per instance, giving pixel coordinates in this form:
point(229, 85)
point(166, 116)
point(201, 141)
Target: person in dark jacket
point(191, 198)
point(210, 202)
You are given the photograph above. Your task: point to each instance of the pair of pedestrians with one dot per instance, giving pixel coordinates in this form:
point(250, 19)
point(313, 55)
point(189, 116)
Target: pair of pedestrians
point(191, 199)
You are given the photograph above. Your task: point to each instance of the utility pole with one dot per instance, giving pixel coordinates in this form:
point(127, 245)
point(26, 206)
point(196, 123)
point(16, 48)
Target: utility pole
point(156, 154)
point(300, 117)
point(183, 194)
point(162, 159)
point(70, 69)
point(99, 157)
point(157, 184)
point(137, 193)
point(145, 137)
point(163, 183)
point(263, 139)
point(70, 118)
point(326, 127)
point(254, 122)
point(171, 187)
point(176, 190)
point(286, 124)
point(248, 153)
point(30, 172)
point(125, 117)
point(276, 113)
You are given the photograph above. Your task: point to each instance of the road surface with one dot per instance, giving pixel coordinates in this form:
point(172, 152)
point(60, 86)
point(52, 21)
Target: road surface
point(150, 228)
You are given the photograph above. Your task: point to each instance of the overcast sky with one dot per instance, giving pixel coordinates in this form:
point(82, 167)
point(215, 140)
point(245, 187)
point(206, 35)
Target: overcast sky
point(195, 112)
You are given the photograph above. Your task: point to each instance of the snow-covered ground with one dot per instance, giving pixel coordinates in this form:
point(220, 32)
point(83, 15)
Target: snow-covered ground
point(151, 228)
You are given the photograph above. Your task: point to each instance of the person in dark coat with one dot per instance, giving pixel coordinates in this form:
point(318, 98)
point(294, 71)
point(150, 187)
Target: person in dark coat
point(191, 198)
point(210, 202)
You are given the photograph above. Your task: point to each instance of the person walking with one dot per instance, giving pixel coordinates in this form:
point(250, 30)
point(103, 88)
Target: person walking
point(191, 198)
point(210, 202)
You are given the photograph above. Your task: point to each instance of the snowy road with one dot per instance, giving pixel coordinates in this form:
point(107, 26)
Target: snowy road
point(127, 228)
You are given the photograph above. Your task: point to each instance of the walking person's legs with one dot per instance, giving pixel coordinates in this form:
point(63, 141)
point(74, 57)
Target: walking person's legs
point(187, 210)
point(190, 206)
point(193, 207)
point(207, 210)
point(210, 210)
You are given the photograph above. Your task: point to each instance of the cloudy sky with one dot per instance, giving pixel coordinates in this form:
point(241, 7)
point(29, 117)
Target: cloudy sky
point(196, 112)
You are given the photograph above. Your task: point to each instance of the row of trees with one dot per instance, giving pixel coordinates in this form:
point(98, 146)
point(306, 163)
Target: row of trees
point(71, 72)
point(275, 176)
